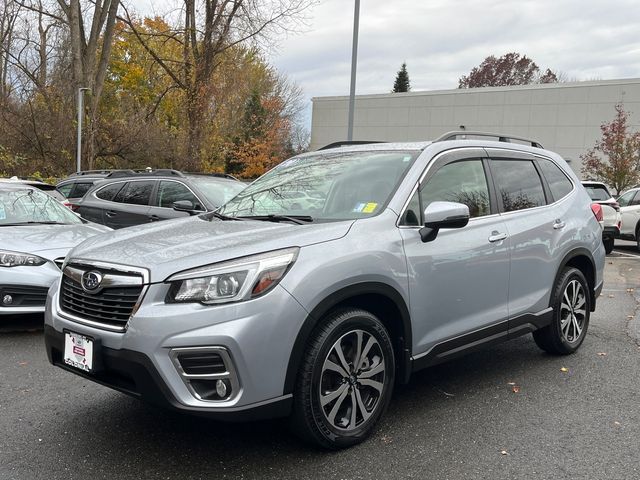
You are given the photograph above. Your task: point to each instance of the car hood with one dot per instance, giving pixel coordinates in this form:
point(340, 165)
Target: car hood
point(47, 241)
point(170, 246)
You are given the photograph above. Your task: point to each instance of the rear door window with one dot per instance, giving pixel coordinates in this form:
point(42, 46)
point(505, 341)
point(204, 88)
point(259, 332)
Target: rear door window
point(135, 193)
point(110, 191)
point(518, 184)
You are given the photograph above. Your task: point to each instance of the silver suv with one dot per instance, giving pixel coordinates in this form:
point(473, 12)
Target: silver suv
point(409, 255)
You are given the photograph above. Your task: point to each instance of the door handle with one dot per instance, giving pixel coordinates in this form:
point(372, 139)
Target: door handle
point(558, 224)
point(110, 213)
point(497, 236)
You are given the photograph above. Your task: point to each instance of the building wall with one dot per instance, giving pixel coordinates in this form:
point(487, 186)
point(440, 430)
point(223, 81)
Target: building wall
point(563, 117)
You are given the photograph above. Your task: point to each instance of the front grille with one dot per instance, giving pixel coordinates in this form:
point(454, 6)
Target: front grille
point(110, 307)
point(23, 296)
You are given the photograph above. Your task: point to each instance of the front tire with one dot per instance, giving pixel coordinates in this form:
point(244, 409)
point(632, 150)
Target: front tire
point(571, 302)
point(346, 380)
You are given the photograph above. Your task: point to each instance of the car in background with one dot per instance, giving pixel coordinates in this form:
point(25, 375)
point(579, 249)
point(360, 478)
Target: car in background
point(45, 187)
point(128, 198)
point(36, 232)
point(612, 218)
point(77, 184)
point(629, 203)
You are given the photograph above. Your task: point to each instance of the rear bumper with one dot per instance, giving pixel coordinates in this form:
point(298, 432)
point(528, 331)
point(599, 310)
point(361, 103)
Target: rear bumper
point(610, 232)
point(133, 373)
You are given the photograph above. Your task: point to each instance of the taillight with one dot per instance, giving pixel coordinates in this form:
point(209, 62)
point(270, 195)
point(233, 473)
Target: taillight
point(596, 208)
point(74, 207)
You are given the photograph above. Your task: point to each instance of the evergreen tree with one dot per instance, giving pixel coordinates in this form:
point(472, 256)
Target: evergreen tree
point(402, 83)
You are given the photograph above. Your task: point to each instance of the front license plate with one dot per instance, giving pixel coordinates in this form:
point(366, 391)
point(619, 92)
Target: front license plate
point(78, 351)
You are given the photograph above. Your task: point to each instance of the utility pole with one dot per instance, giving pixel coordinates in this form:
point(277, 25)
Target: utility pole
point(354, 61)
point(81, 91)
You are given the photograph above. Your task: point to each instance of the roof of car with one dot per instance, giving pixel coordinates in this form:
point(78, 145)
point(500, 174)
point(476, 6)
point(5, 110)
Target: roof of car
point(32, 183)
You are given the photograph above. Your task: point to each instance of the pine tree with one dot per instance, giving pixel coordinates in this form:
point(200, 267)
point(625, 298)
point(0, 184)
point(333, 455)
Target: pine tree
point(402, 83)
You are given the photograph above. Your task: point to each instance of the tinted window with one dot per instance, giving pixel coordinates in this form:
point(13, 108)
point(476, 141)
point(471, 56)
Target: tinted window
point(110, 191)
point(170, 192)
point(412, 215)
point(135, 193)
point(80, 189)
point(518, 184)
point(558, 182)
point(65, 189)
point(597, 192)
point(462, 182)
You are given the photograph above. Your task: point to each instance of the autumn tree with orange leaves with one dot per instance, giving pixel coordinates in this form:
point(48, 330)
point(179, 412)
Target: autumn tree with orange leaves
point(615, 158)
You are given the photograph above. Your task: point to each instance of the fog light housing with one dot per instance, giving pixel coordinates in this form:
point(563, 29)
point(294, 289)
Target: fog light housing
point(7, 300)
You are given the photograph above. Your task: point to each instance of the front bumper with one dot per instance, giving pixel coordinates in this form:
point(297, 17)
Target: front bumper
point(258, 335)
point(27, 287)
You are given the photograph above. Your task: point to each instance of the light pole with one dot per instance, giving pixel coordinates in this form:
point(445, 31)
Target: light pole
point(81, 91)
point(354, 61)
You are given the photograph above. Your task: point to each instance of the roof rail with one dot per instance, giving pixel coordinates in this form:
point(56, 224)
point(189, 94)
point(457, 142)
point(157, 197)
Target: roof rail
point(501, 137)
point(214, 174)
point(165, 172)
point(346, 143)
point(91, 172)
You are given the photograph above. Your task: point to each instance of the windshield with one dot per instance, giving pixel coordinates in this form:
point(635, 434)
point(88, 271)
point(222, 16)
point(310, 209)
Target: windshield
point(338, 186)
point(27, 205)
point(218, 191)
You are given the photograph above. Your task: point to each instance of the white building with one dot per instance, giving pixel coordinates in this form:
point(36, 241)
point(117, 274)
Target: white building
point(563, 117)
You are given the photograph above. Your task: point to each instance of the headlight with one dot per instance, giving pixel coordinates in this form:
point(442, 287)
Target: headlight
point(233, 281)
point(16, 259)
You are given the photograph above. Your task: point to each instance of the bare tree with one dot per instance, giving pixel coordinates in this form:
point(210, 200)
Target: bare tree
point(204, 37)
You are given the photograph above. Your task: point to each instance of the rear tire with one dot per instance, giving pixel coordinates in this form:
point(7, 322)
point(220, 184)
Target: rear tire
point(345, 382)
point(608, 245)
point(571, 302)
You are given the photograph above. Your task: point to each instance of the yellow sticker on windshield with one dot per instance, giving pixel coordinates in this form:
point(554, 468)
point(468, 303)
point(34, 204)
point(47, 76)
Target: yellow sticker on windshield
point(369, 207)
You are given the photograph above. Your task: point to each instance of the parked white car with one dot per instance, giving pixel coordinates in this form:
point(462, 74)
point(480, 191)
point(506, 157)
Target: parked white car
point(36, 233)
point(629, 203)
point(612, 219)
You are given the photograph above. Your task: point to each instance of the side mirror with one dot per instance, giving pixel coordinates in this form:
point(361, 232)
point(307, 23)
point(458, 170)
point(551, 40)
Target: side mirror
point(185, 206)
point(439, 215)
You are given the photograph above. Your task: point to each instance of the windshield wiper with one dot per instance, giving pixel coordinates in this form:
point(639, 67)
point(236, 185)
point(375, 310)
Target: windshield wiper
point(297, 219)
point(221, 216)
point(32, 223)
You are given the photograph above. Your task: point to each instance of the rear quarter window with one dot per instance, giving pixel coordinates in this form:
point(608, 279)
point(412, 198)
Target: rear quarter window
point(110, 191)
point(558, 182)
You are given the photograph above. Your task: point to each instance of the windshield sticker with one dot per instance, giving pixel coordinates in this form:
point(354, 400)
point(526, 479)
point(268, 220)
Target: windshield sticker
point(359, 207)
point(369, 207)
point(406, 158)
point(3, 214)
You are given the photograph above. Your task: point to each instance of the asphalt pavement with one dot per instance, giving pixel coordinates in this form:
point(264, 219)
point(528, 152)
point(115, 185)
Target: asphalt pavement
point(508, 412)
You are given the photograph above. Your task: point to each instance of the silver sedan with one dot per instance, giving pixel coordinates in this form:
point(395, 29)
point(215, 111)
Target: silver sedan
point(36, 233)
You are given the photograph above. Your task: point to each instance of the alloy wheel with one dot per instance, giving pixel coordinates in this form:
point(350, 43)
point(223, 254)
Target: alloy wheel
point(352, 380)
point(573, 311)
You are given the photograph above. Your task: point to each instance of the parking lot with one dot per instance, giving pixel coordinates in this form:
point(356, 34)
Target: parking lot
point(507, 412)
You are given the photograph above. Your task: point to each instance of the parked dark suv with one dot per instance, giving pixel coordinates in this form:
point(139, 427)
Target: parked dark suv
point(126, 198)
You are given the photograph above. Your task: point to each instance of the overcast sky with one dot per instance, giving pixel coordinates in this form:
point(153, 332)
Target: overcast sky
point(441, 40)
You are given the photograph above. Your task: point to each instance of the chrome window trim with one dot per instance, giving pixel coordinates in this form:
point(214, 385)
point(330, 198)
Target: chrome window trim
point(143, 272)
point(434, 159)
point(181, 183)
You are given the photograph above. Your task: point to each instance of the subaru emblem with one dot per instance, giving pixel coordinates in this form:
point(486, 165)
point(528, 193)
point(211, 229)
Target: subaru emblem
point(91, 281)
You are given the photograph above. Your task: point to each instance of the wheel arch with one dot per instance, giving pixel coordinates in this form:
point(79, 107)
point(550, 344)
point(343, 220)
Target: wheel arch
point(582, 259)
point(382, 300)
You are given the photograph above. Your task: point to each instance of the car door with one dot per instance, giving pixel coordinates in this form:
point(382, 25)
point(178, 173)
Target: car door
point(458, 283)
point(539, 229)
point(170, 191)
point(130, 206)
point(630, 213)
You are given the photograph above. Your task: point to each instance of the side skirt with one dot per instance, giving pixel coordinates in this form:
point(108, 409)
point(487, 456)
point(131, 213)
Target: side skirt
point(491, 335)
